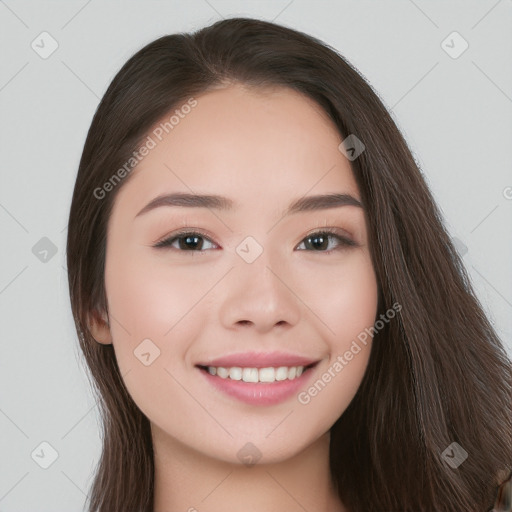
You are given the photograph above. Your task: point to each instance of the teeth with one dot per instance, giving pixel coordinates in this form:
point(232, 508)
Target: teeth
point(269, 374)
point(250, 375)
point(222, 372)
point(235, 373)
point(282, 373)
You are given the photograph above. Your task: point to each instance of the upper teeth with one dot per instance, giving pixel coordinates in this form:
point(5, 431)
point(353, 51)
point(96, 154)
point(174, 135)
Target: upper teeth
point(257, 374)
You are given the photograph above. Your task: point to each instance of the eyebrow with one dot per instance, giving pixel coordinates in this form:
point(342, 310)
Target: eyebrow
point(303, 204)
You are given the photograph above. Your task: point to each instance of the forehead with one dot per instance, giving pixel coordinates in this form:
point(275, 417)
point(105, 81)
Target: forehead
point(243, 143)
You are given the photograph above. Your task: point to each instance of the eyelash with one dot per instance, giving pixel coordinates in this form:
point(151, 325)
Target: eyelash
point(344, 242)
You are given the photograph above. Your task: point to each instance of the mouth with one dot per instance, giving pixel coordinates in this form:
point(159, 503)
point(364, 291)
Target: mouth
point(262, 385)
point(267, 374)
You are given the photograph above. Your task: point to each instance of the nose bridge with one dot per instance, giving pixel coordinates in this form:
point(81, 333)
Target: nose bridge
point(259, 272)
point(257, 292)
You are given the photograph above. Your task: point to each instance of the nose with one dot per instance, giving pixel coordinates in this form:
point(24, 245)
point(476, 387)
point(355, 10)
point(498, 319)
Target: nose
point(255, 296)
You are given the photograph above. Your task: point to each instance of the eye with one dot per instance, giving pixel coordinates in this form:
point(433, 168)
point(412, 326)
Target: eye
point(319, 240)
point(186, 241)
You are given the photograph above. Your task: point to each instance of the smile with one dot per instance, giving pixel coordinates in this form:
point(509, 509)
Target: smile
point(258, 386)
point(269, 374)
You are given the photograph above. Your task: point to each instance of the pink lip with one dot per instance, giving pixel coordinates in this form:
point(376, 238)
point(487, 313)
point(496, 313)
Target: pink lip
point(260, 360)
point(259, 393)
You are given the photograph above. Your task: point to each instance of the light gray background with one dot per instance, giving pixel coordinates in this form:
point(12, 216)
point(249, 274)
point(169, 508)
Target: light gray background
point(454, 112)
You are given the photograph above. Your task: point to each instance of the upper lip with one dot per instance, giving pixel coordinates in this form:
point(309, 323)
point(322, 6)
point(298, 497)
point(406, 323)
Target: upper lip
point(260, 360)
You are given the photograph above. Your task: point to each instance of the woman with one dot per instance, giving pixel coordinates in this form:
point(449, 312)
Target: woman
point(271, 309)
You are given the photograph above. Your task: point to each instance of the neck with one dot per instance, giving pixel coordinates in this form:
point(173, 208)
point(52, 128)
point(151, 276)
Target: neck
point(191, 481)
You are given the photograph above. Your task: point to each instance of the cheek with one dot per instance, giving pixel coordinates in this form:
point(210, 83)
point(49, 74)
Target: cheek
point(154, 322)
point(345, 299)
point(346, 302)
point(148, 300)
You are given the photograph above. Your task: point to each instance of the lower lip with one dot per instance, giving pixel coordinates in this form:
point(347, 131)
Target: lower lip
point(259, 393)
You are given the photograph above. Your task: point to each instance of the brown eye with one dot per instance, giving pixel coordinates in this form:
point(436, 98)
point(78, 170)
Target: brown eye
point(320, 241)
point(186, 241)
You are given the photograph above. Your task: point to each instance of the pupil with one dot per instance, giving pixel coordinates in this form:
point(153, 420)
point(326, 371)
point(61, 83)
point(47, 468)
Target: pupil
point(192, 242)
point(322, 243)
point(193, 245)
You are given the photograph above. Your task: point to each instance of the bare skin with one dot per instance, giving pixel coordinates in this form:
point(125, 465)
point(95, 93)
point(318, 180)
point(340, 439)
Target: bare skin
point(263, 150)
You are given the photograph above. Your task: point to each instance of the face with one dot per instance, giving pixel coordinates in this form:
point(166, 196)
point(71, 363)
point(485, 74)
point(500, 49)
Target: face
point(233, 320)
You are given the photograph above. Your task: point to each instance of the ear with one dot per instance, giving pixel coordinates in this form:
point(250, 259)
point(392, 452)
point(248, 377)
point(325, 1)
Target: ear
point(99, 328)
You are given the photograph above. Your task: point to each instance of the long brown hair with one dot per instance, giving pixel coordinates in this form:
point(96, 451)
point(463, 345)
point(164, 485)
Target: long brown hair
point(438, 374)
